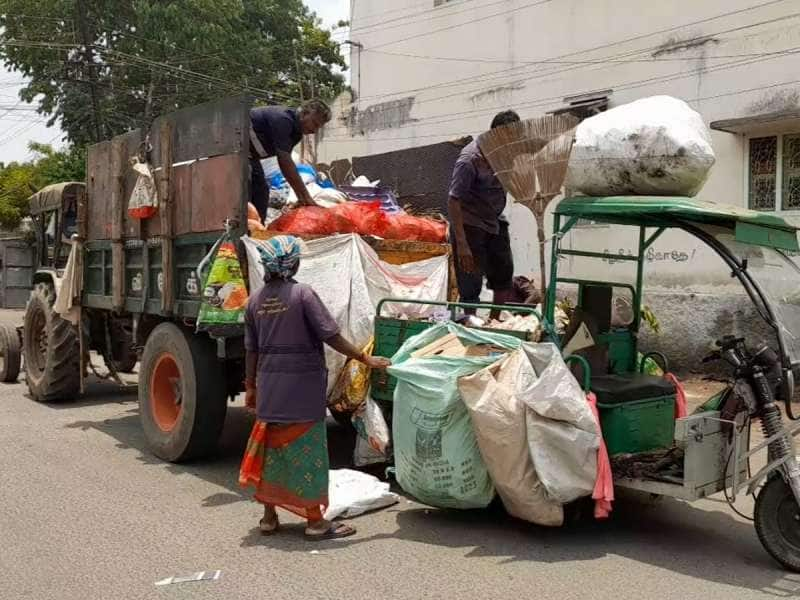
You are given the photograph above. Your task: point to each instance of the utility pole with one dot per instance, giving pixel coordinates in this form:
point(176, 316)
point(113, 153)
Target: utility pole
point(88, 57)
point(360, 47)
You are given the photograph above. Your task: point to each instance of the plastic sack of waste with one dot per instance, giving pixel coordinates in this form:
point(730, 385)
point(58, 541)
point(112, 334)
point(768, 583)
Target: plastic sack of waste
point(224, 293)
point(653, 146)
point(351, 389)
point(498, 418)
point(143, 202)
point(562, 432)
point(436, 454)
point(373, 434)
point(352, 493)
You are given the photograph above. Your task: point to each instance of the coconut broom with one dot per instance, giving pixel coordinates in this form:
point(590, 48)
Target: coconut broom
point(530, 152)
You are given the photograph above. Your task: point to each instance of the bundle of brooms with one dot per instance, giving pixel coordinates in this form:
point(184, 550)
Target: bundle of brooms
point(530, 159)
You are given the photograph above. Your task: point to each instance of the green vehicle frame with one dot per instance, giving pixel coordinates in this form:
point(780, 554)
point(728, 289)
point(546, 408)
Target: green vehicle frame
point(713, 441)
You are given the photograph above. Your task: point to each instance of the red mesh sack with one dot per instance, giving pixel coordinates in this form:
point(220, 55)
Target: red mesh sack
point(365, 218)
point(416, 229)
point(312, 220)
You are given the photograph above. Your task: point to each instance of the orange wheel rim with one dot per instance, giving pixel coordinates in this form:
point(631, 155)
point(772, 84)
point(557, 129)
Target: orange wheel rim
point(165, 392)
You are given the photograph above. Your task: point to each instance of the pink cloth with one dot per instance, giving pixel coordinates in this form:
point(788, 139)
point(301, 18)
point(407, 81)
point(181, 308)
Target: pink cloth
point(680, 396)
point(603, 493)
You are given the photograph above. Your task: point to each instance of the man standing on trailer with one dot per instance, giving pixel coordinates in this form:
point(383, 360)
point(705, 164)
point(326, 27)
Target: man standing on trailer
point(478, 229)
point(275, 131)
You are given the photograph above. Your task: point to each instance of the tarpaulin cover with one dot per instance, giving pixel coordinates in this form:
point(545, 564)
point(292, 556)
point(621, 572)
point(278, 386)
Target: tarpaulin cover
point(350, 279)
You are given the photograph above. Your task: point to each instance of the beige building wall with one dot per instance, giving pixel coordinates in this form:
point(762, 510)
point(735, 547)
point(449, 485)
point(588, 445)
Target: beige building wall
point(425, 71)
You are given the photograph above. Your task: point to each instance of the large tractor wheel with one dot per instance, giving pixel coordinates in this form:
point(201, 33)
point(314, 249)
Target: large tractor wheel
point(182, 394)
point(51, 349)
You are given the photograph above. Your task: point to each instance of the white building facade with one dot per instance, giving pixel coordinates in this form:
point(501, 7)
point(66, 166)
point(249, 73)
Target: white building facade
point(426, 71)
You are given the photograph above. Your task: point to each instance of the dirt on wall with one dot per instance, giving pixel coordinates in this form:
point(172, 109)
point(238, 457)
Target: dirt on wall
point(419, 176)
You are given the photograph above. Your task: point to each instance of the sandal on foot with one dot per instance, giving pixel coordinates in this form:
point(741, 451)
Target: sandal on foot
point(333, 532)
point(268, 528)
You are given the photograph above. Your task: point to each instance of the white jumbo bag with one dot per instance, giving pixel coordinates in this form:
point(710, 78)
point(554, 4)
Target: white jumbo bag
point(653, 146)
point(498, 418)
point(563, 438)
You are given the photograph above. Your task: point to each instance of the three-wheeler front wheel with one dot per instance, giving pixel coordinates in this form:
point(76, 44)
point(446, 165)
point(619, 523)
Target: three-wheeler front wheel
point(182, 394)
point(777, 521)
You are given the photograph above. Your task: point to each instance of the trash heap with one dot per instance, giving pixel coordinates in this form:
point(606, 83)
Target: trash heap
point(364, 207)
point(478, 413)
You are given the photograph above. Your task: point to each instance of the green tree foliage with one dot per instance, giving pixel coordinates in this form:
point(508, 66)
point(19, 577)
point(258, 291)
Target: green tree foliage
point(19, 180)
point(147, 57)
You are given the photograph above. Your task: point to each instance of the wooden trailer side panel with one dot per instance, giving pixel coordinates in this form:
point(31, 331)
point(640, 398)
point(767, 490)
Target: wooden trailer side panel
point(199, 158)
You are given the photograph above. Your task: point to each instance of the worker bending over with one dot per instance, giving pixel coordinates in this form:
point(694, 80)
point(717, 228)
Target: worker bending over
point(478, 228)
point(275, 131)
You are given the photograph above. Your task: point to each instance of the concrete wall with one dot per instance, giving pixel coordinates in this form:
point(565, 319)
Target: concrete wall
point(427, 74)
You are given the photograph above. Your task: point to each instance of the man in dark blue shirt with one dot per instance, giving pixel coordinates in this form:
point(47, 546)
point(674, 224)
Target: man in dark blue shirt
point(478, 229)
point(275, 131)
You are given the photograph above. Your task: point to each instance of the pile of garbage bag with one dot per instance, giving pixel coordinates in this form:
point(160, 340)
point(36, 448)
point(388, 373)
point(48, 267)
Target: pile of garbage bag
point(363, 207)
point(476, 412)
point(653, 146)
point(364, 218)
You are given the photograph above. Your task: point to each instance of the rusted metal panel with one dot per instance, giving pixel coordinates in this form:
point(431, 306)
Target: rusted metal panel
point(129, 148)
point(182, 195)
point(99, 187)
point(166, 208)
point(204, 131)
point(217, 190)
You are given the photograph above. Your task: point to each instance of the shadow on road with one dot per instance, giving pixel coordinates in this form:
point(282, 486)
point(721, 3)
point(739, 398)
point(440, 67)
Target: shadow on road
point(678, 537)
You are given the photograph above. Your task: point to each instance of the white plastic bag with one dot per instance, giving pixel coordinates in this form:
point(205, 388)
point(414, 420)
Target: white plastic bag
point(562, 433)
point(143, 202)
point(498, 418)
point(657, 146)
point(373, 434)
point(352, 493)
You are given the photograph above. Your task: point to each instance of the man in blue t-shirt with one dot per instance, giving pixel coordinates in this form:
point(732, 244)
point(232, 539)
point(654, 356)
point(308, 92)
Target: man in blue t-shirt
point(275, 131)
point(478, 229)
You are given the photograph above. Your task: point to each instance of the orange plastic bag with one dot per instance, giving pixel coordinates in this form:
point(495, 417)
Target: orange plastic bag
point(311, 220)
point(417, 229)
point(365, 218)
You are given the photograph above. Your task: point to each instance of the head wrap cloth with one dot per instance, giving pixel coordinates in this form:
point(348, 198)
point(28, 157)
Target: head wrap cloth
point(280, 255)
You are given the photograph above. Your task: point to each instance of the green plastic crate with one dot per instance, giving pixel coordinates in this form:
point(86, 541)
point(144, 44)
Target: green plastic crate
point(638, 426)
point(390, 334)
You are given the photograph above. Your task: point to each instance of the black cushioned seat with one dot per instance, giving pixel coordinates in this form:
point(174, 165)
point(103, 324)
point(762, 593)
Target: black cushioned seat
point(617, 389)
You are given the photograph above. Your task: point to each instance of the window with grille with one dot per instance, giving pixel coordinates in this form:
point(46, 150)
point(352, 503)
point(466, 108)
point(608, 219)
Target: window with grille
point(763, 172)
point(774, 172)
point(790, 188)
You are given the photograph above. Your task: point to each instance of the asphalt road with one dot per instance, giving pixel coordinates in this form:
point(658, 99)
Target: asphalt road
point(86, 512)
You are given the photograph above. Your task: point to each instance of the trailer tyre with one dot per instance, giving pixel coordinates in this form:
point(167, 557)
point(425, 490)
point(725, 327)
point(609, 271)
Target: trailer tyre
point(10, 354)
point(182, 394)
point(123, 354)
point(777, 521)
point(51, 349)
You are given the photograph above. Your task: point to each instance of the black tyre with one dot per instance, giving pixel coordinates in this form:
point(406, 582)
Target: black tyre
point(777, 520)
point(122, 352)
point(51, 349)
point(182, 394)
point(10, 354)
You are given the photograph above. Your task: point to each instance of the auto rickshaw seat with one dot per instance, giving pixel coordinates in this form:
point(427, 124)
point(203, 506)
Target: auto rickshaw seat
point(630, 387)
